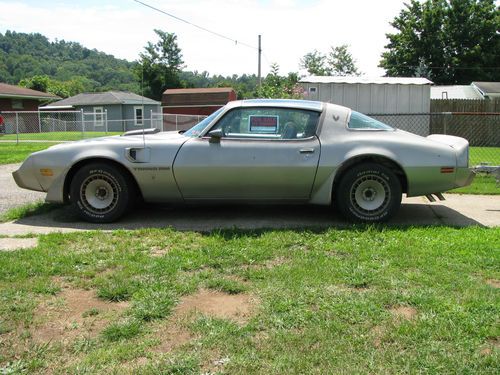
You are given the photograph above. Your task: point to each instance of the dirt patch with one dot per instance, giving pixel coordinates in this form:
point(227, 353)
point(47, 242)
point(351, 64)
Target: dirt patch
point(378, 332)
point(236, 307)
point(403, 312)
point(73, 313)
point(493, 343)
point(157, 251)
point(493, 282)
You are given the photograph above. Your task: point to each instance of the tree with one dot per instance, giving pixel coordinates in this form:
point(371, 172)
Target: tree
point(159, 65)
point(26, 55)
point(339, 62)
point(45, 84)
point(448, 41)
point(315, 63)
point(275, 86)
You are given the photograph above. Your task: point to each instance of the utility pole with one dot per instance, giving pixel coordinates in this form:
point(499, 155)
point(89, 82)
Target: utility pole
point(258, 74)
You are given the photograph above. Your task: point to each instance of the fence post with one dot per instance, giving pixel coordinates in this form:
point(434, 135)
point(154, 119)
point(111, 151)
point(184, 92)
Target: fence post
point(176, 122)
point(447, 115)
point(17, 128)
point(106, 121)
point(83, 124)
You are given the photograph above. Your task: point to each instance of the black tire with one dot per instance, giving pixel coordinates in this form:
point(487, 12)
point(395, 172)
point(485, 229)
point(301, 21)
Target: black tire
point(368, 193)
point(101, 193)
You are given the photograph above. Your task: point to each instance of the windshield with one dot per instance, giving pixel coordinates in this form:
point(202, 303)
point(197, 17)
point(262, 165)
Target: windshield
point(196, 130)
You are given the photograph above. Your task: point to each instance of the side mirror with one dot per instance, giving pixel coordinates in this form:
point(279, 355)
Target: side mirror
point(215, 135)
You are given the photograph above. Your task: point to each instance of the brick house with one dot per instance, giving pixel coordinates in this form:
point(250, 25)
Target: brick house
point(16, 98)
point(198, 101)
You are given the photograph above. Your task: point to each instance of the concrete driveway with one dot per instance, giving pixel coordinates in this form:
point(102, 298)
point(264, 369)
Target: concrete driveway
point(457, 210)
point(10, 194)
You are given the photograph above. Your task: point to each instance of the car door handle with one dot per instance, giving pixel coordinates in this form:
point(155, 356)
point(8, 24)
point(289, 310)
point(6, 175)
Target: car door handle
point(306, 150)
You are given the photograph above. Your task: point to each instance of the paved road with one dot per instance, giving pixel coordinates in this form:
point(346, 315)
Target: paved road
point(10, 194)
point(457, 210)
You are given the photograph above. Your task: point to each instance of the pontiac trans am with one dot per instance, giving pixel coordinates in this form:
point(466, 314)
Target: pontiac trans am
point(253, 151)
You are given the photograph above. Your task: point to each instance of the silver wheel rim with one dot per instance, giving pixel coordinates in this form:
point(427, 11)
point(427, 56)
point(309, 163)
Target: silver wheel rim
point(370, 195)
point(99, 194)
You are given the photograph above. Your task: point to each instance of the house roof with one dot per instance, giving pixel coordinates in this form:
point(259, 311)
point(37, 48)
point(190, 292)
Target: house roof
point(455, 92)
point(367, 80)
point(207, 90)
point(17, 92)
point(488, 88)
point(104, 98)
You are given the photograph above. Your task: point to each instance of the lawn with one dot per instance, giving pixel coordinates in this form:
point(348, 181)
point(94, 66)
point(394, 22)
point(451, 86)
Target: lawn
point(16, 153)
point(490, 155)
point(351, 301)
point(57, 136)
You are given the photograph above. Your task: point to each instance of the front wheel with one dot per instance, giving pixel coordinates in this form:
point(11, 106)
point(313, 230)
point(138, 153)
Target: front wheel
point(368, 193)
point(100, 193)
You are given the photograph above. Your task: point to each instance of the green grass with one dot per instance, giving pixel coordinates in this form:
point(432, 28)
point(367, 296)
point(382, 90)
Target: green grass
point(323, 302)
point(16, 153)
point(29, 209)
point(482, 184)
point(490, 155)
point(57, 136)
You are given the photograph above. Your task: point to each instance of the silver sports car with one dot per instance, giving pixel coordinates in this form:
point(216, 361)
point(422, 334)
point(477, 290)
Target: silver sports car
point(271, 151)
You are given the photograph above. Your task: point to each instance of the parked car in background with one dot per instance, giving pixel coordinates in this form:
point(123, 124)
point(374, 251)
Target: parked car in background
point(254, 151)
point(2, 125)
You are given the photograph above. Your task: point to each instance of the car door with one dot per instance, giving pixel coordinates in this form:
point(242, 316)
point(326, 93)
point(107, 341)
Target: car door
point(262, 154)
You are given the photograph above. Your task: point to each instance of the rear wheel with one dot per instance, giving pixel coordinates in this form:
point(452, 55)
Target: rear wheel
point(368, 193)
point(101, 193)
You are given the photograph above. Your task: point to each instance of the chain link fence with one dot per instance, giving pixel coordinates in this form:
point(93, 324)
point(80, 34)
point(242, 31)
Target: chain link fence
point(170, 122)
point(482, 130)
point(63, 126)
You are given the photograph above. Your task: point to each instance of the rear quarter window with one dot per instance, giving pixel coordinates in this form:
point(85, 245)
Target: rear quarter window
point(359, 121)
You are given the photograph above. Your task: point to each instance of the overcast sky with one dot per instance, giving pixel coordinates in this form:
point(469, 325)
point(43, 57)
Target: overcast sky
point(289, 28)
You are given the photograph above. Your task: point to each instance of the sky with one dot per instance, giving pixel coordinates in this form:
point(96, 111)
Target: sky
point(289, 29)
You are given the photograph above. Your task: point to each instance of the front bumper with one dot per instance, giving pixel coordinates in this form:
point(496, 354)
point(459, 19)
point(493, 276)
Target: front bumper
point(25, 176)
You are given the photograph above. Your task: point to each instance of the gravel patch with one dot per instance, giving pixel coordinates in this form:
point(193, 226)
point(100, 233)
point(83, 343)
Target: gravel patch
point(12, 195)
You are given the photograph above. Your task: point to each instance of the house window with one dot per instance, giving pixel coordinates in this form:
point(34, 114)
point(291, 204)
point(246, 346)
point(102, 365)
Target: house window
point(98, 116)
point(17, 104)
point(138, 116)
point(312, 90)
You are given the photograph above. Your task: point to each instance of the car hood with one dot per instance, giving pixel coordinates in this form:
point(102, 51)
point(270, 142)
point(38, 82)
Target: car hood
point(122, 140)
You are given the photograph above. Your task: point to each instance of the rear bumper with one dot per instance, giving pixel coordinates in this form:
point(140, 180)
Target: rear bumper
point(464, 177)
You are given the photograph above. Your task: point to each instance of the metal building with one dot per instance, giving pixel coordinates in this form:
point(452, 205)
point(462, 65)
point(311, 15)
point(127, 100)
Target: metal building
point(380, 95)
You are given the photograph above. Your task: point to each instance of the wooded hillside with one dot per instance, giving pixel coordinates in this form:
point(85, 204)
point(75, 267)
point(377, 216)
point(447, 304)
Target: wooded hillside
point(26, 55)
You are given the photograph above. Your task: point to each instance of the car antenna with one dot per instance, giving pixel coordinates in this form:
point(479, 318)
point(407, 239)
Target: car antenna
point(142, 108)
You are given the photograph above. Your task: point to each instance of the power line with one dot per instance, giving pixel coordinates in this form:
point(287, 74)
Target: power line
point(197, 26)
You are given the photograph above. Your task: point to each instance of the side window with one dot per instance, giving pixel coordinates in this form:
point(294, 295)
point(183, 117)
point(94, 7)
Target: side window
point(269, 123)
point(360, 121)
